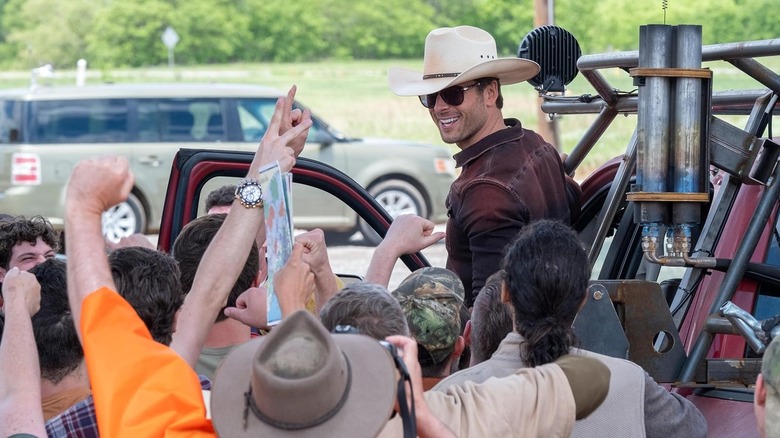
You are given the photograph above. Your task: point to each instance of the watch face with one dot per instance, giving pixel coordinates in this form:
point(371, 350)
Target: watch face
point(251, 194)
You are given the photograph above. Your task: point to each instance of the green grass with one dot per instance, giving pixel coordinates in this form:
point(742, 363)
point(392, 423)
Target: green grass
point(353, 97)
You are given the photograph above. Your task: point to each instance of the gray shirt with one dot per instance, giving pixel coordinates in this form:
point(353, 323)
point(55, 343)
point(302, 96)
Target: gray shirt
point(636, 405)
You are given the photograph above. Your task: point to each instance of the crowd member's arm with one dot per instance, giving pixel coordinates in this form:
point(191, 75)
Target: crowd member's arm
point(293, 285)
point(670, 414)
point(140, 387)
point(427, 424)
point(316, 255)
point(541, 401)
point(222, 262)
point(407, 234)
point(294, 282)
point(20, 377)
point(95, 185)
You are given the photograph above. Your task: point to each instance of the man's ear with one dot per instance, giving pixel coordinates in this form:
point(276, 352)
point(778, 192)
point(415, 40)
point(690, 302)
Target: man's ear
point(492, 93)
point(460, 345)
point(257, 281)
point(467, 333)
point(584, 301)
point(505, 293)
point(175, 320)
point(759, 395)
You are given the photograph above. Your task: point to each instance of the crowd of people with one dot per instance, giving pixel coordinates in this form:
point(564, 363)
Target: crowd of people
point(125, 340)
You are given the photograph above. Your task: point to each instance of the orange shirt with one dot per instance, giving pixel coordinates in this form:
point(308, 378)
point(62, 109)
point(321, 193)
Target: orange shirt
point(141, 387)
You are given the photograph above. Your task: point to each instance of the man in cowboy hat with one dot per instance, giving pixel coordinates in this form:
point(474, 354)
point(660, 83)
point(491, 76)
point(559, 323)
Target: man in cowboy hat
point(510, 175)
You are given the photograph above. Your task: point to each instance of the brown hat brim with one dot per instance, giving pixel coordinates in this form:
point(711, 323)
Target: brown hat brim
point(404, 82)
point(364, 413)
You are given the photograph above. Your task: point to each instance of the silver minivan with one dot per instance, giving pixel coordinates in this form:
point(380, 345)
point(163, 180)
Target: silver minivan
point(44, 131)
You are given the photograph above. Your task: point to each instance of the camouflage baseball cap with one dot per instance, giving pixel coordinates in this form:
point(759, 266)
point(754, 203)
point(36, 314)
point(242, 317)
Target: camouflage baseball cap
point(770, 370)
point(431, 299)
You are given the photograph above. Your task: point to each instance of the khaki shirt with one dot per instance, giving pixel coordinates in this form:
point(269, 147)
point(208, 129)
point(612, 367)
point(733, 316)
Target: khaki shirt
point(534, 402)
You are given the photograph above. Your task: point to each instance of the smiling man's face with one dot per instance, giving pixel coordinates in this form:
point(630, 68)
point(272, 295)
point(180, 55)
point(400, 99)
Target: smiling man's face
point(25, 256)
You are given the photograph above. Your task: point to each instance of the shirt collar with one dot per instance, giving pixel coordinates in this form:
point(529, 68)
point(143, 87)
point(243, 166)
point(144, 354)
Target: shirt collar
point(514, 131)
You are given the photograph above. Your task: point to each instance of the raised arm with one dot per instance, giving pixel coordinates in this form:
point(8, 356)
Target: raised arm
point(315, 254)
point(20, 375)
point(221, 263)
point(407, 234)
point(95, 185)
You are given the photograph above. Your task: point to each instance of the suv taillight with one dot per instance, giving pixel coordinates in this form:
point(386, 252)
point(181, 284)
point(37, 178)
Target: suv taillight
point(25, 169)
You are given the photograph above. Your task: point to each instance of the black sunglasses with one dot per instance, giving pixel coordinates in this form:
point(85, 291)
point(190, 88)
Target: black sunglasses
point(452, 95)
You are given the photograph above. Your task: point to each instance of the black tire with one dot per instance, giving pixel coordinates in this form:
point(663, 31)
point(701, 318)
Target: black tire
point(124, 219)
point(397, 197)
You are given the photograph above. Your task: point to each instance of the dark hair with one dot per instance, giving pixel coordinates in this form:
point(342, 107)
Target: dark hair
point(367, 307)
point(429, 368)
point(149, 281)
point(490, 319)
point(191, 244)
point(19, 229)
point(483, 82)
point(547, 274)
point(59, 349)
point(221, 197)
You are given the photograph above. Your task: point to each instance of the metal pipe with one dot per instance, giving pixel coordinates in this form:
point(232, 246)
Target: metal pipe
point(723, 102)
point(589, 139)
point(759, 72)
point(614, 199)
point(653, 121)
point(602, 87)
point(719, 324)
point(686, 141)
point(736, 271)
point(713, 52)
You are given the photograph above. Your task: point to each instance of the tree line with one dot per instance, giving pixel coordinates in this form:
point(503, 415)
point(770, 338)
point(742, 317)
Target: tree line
point(127, 33)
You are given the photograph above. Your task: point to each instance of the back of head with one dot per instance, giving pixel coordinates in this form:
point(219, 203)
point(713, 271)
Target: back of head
point(191, 244)
point(149, 281)
point(19, 229)
point(221, 197)
point(431, 298)
point(547, 274)
point(59, 349)
point(490, 320)
point(367, 307)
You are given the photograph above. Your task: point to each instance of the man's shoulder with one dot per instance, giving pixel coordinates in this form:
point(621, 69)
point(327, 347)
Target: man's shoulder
point(624, 372)
point(480, 372)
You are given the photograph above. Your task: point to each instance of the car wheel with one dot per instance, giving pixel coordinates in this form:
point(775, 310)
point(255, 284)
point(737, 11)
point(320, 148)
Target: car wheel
point(397, 197)
point(124, 219)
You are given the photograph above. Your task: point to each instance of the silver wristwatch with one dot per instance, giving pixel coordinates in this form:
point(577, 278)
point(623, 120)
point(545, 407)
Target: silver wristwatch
point(249, 192)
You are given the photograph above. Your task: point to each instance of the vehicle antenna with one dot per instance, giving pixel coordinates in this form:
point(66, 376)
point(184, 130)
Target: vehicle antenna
point(664, 5)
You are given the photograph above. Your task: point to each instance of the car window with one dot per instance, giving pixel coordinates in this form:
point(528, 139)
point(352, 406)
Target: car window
point(9, 121)
point(180, 120)
point(79, 121)
point(255, 115)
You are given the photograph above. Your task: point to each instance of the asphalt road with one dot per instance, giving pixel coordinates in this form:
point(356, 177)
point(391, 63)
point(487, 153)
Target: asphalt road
point(354, 258)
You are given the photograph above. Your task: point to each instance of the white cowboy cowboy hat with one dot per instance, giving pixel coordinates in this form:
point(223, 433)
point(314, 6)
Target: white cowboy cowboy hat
point(455, 55)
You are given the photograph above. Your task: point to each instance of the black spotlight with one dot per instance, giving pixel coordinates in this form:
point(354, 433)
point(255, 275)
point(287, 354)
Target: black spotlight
point(556, 51)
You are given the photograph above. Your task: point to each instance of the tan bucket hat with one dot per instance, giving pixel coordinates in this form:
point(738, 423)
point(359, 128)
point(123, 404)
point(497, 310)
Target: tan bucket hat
point(301, 381)
point(455, 55)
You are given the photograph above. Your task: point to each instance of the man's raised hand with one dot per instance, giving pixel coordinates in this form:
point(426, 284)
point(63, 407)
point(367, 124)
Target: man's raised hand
point(97, 184)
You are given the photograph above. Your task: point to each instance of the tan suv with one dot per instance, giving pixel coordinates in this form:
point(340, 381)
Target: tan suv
point(45, 131)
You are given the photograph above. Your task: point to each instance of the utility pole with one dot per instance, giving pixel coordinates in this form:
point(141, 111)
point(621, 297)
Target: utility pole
point(544, 14)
